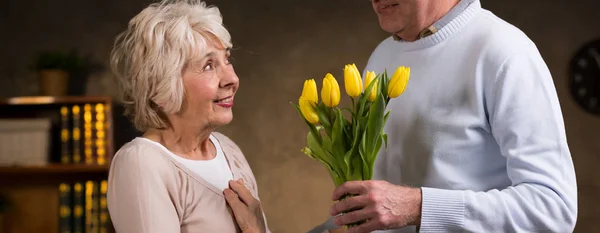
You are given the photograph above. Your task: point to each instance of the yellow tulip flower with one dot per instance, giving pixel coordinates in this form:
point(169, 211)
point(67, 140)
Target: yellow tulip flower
point(368, 79)
point(309, 92)
point(352, 81)
point(308, 111)
point(398, 81)
point(331, 91)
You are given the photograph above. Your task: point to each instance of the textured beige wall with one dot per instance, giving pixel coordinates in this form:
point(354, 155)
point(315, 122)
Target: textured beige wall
point(278, 44)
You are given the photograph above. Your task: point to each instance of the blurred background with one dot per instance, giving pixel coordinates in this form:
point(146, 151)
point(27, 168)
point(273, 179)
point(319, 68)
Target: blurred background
point(277, 45)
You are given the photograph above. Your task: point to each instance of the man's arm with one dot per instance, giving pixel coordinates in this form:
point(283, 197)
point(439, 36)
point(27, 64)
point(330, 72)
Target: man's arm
point(527, 124)
point(526, 121)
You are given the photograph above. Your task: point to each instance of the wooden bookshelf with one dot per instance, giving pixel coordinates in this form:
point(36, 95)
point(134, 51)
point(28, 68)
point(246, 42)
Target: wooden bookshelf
point(51, 174)
point(34, 190)
point(44, 100)
point(48, 107)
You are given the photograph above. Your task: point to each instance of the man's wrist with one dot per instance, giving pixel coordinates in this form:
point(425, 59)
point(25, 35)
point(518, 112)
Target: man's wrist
point(417, 203)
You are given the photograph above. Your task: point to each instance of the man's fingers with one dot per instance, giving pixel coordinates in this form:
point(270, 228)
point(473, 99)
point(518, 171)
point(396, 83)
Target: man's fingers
point(353, 217)
point(356, 202)
point(350, 187)
point(369, 226)
point(242, 191)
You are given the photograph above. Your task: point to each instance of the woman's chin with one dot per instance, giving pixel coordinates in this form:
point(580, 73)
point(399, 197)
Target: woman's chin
point(223, 120)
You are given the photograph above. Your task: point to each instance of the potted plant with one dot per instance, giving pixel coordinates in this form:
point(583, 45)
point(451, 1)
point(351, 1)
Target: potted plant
point(54, 69)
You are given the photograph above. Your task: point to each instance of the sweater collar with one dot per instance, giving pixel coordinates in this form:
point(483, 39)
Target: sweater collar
point(453, 13)
point(445, 27)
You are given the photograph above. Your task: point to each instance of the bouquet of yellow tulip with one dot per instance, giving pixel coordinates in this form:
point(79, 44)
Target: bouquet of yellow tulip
point(347, 140)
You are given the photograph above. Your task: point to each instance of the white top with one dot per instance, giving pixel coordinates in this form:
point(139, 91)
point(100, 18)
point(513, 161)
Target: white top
point(480, 128)
point(215, 171)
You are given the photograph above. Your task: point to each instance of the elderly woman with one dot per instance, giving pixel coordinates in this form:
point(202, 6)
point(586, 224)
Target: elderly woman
point(178, 86)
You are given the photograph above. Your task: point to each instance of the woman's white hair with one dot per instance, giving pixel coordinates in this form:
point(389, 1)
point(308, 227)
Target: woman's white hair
point(150, 55)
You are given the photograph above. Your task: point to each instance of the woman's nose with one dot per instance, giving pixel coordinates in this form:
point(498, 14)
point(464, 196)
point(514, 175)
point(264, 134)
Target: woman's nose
point(229, 77)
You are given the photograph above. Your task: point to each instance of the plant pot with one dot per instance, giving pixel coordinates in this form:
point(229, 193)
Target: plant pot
point(53, 82)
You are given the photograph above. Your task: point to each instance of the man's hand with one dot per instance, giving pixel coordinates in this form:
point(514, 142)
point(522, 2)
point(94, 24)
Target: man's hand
point(381, 204)
point(246, 209)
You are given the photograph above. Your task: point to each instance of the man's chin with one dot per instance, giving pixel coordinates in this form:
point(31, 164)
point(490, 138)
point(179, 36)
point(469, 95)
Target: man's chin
point(389, 28)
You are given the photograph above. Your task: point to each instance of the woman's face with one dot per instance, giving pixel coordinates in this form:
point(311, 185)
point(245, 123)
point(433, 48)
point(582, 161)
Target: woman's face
point(210, 84)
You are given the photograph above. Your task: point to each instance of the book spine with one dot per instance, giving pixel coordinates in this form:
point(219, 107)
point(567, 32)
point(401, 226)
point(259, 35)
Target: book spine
point(100, 134)
point(64, 189)
point(104, 217)
point(78, 202)
point(87, 132)
point(76, 110)
point(65, 156)
point(64, 224)
point(92, 210)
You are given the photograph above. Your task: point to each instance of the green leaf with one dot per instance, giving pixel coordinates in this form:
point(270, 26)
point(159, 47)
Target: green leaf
point(327, 144)
point(339, 142)
point(323, 113)
point(373, 157)
point(384, 86)
point(365, 96)
point(335, 176)
point(348, 133)
point(385, 141)
point(324, 155)
point(348, 163)
point(387, 114)
point(363, 122)
point(375, 125)
point(317, 149)
point(364, 154)
point(354, 162)
point(311, 127)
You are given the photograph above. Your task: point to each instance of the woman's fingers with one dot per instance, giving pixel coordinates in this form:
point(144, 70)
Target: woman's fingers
point(245, 195)
point(232, 199)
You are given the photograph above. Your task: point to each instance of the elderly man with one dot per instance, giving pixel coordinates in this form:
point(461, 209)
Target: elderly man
point(479, 144)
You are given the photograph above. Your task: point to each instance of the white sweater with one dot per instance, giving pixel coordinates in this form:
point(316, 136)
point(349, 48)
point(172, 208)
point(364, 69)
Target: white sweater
point(479, 128)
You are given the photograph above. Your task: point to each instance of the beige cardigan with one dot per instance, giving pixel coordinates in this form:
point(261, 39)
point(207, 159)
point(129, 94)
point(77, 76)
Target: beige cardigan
point(150, 192)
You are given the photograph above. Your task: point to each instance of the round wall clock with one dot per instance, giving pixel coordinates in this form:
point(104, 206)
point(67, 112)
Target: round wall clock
point(584, 80)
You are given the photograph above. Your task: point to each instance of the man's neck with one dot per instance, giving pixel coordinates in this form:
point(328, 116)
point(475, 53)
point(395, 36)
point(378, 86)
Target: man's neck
point(431, 11)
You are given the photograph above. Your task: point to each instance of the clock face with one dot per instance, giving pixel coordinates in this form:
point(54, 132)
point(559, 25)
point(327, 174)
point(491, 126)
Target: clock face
point(584, 80)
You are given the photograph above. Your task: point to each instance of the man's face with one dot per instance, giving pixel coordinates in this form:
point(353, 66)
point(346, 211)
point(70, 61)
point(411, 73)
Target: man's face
point(395, 15)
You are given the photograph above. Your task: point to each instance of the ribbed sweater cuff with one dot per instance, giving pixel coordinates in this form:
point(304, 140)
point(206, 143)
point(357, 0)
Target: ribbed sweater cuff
point(442, 210)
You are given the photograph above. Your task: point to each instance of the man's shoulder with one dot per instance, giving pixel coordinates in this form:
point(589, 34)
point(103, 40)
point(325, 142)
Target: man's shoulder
point(385, 44)
point(496, 35)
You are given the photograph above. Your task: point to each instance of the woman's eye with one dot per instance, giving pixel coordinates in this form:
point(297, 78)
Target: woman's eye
point(229, 60)
point(208, 67)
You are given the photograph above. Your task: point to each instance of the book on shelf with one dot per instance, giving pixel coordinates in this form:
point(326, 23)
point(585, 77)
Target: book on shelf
point(84, 140)
point(65, 217)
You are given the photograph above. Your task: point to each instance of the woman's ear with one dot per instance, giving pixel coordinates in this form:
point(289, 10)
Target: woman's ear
point(156, 105)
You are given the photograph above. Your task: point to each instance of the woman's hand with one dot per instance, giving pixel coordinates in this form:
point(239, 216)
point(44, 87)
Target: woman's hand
point(246, 209)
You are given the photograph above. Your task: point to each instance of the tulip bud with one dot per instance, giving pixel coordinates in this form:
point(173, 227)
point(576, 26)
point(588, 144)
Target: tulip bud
point(309, 92)
point(308, 111)
point(352, 81)
point(331, 91)
point(398, 81)
point(370, 76)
